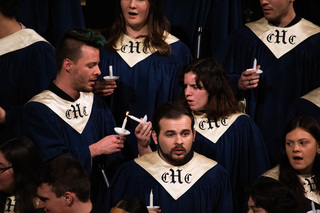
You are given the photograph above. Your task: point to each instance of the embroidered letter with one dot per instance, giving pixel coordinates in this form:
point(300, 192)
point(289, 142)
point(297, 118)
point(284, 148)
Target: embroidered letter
point(10, 205)
point(280, 37)
point(76, 112)
point(187, 178)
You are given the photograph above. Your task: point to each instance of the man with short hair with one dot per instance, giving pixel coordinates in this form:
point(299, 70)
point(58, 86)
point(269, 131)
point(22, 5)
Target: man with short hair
point(287, 49)
point(174, 178)
point(65, 187)
point(68, 119)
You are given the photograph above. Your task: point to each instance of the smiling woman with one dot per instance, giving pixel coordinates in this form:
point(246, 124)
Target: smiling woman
point(299, 167)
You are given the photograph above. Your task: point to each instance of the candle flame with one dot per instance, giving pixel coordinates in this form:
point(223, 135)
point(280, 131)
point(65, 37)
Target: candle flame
point(127, 113)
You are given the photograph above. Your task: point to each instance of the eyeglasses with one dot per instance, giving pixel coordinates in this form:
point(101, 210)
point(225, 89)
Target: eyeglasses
point(2, 170)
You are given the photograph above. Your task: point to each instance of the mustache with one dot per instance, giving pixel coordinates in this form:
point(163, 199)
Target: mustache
point(178, 147)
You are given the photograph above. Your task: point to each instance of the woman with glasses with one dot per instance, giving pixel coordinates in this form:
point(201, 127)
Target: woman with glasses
point(20, 166)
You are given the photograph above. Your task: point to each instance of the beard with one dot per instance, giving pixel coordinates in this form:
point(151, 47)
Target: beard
point(173, 159)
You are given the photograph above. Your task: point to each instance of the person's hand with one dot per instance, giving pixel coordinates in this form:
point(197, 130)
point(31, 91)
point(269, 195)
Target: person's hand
point(143, 134)
point(249, 79)
point(104, 88)
point(2, 116)
point(107, 145)
point(154, 210)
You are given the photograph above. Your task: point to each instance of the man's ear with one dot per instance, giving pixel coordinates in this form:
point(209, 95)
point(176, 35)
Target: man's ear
point(68, 196)
point(154, 137)
point(67, 64)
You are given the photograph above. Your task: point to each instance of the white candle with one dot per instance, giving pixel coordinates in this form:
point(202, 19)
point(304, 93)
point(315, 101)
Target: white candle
point(151, 199)
point(135, 118)
point(110, 71)
point(255, 64)
point(124, 121)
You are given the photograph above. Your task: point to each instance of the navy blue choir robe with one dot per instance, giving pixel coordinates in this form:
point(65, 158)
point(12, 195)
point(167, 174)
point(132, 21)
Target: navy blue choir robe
point(289, 58)
point(236, 143)
point(59, 126)
point(146, 80)
point(311, 194)
point(51, 18)
point(27, 64)
point(308, 104)
point(216, 18)
point(201, 185)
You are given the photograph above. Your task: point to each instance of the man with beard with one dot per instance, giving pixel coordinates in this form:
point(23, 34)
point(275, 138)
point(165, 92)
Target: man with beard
point(174, 178)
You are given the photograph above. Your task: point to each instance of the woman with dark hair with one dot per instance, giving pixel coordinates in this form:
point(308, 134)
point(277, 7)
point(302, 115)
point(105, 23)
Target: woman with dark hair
point(223, 133)
point(299, 166)
point(20, 166)
point(146, 58)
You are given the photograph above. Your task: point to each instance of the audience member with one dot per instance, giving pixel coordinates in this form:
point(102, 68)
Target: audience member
point(299, 166)
point(223, 133)
point(174, 178)
point(26, 66)
point(68, 118)
point(65, 187)
point(287, 47)
point(132, 205)
point(20, 167)
point(271, 197)
point(146, 57)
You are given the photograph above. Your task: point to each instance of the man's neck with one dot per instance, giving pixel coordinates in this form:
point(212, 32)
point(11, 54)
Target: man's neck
point(8, 26)
point(83, 207)
point(65, 85)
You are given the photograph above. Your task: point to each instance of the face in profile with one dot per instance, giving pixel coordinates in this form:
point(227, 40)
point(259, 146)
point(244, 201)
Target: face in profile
point(135, 13)
point(49, 201)
point(196, 97)
point(6, 175)
point(175, 140)
point(301, 149)
point(86, 70)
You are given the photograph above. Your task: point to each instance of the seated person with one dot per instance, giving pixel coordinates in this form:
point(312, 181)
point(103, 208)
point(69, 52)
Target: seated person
point(65, 187)
point(174, 178)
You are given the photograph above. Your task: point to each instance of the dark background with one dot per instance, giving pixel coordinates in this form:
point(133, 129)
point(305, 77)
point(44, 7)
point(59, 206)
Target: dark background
point(217, 18)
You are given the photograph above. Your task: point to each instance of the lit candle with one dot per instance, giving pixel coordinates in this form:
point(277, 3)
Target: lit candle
point(135, 118)
point(151, 199)
point(124, 122)
point(110, 71)
point(255, 64)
